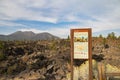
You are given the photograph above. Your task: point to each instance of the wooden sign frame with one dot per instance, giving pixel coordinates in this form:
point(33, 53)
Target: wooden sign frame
point(77, 32)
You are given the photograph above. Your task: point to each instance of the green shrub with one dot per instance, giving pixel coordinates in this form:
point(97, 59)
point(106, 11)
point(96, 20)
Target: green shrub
point(104, 41)
point(2, 56)
point(11, 69)
point(100, 36)
point(1, 45)
point(52, 46)
point(2, 50)
point(111, 35)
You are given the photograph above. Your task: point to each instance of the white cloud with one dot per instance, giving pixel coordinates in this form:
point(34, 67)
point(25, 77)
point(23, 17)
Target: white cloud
point(105, 12)
point(15, 10)
point(11, 24)
point(55, 31)
point(60, 32)
point(31, 29)
point(54, 10)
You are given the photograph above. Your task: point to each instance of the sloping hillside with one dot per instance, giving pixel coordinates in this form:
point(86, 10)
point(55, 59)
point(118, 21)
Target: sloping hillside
point(28, 35)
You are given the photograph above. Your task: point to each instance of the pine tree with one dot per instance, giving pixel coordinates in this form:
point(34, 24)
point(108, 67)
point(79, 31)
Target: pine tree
point(100, 36)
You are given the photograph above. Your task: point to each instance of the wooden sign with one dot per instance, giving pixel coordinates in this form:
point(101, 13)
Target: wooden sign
point(81, 48)
point(80, 45)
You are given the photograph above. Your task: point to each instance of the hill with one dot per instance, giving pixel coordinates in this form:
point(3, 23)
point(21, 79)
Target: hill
point(28, 35)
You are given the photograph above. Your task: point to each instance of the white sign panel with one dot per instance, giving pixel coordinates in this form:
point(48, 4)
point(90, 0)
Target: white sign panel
point(81, 45)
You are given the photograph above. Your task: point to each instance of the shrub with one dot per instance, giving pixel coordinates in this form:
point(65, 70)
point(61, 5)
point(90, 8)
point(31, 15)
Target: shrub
point(2, 49)
point(100, 36)
point(104, 41)
point(1, 45)
point(2, 56)
point(106, 46)
point(111, 35)
point(11, 69)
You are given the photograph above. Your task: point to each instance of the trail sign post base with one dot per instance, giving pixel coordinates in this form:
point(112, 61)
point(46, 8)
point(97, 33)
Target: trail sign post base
point(81, 48)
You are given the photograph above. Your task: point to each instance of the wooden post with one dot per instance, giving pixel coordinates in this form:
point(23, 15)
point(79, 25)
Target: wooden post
point(71, 54)
point(88, 56)
point(101, 71)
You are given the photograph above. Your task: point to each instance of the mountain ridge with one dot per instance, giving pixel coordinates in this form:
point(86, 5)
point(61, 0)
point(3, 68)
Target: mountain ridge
point(28, 35)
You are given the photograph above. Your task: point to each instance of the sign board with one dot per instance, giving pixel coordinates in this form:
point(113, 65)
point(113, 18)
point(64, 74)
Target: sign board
point(81, 48)
point(80, 45)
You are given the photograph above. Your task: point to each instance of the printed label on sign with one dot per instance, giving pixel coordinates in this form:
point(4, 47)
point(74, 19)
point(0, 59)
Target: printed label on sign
point(81, 45)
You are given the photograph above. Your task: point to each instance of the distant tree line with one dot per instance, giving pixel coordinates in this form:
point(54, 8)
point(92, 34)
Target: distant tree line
point(2, 50)
point(110, 36)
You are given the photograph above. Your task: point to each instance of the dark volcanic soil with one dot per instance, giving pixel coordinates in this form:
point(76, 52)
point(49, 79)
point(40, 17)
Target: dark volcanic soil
point(49, 60)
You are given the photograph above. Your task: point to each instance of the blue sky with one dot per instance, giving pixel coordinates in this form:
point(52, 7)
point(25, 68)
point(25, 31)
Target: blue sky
point(59, 16)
